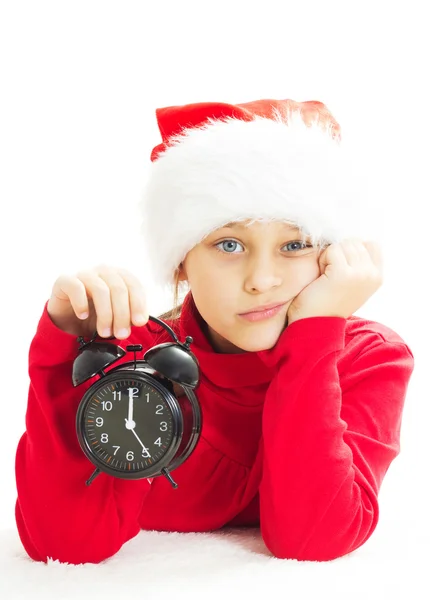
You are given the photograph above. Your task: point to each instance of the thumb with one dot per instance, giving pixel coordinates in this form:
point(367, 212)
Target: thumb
point(323, 261)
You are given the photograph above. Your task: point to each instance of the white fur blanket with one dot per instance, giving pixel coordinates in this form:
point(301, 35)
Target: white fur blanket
point(230, 563)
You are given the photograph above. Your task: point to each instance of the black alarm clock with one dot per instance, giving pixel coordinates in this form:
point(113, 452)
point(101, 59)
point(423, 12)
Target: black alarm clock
point(142, 418)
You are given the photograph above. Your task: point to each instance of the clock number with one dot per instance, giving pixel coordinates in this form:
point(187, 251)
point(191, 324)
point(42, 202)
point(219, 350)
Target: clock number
point(107, 405)
point(119, 395)
point(158, 441)
point(104, 438)
point(99, 421)
point(117, 448)
point(163, 428)
point(129, 455)
point(159, 409)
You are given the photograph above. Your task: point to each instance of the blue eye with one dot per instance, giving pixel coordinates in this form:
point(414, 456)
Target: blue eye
point(303, 244)
point(226, 242)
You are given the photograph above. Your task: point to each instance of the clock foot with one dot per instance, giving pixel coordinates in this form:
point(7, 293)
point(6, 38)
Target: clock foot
point(167, 475)
point(93, 476)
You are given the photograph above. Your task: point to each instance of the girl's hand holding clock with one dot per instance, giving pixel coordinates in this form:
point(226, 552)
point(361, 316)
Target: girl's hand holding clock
point(351, 272)
point(105, 298)
point(127, 423)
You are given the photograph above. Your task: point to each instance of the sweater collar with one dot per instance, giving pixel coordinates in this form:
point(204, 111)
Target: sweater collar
point(223, 370)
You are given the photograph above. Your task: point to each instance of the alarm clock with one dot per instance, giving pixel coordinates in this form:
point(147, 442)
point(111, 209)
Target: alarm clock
point(141, 419)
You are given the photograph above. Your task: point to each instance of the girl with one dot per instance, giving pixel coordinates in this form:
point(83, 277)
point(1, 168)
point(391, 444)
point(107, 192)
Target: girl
point(252, 208)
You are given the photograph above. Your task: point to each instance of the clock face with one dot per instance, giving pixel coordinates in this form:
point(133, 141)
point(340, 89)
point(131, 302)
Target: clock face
point(127, 425)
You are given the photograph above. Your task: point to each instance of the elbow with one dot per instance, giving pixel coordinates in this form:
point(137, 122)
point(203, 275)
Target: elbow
point(330, 538)
point(81, 556)
point(317, 548)
point(45, 544)
point(67, 553)
point(315, 552)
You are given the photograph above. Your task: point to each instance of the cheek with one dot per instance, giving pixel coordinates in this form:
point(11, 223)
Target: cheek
point(208, 284)
point(212, 301)
point(305, 276)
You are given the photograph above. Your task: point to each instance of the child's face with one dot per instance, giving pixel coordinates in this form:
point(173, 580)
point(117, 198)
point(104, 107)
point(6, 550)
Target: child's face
point(257, 265)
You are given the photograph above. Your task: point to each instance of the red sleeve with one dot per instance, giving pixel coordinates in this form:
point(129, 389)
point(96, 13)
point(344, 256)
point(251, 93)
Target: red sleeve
point(57, 515)
point(328, 440)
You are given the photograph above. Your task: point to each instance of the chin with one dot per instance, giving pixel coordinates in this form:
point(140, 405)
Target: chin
point(260, 347)
point(257, 343)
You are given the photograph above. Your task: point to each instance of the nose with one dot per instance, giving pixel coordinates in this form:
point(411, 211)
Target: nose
point(262, 273)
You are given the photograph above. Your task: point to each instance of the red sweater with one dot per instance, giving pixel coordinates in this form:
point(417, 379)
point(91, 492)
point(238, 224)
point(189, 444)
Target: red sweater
point(296, 439)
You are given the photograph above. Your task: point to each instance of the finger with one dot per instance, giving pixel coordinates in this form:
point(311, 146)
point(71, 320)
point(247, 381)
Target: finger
point(375, 251)
point(355, 252)
point(333, 255)
point(119, 299)
point(73, 290)
point(137, 297)
point(98, 291)
point(359, 248)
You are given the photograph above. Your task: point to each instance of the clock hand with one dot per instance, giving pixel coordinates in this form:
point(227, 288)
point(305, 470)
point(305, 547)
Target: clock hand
point(129, 423)
point(139, 440)
point(130, 407)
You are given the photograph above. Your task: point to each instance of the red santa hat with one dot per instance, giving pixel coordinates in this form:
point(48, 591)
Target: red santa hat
point(266, 160)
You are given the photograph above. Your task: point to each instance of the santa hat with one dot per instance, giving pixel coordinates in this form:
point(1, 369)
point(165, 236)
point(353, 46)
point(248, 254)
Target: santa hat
point(261, 161)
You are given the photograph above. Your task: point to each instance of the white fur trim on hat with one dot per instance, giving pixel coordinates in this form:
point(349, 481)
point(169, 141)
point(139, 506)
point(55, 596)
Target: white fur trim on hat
point(235, 170)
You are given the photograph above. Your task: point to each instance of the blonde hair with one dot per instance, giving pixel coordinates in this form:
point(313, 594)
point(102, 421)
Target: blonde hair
point(175, 312)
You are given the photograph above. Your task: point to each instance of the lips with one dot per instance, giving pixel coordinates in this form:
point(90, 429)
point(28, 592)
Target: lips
point(263, 308)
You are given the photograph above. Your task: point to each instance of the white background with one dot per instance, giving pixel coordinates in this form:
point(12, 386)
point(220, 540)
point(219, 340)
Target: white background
point(80, 82)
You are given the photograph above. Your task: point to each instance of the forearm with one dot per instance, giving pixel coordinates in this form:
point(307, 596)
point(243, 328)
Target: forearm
point(315, 505)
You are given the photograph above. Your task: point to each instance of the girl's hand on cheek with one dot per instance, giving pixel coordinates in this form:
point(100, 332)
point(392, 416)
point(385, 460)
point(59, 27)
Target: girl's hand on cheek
point(350, 273)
